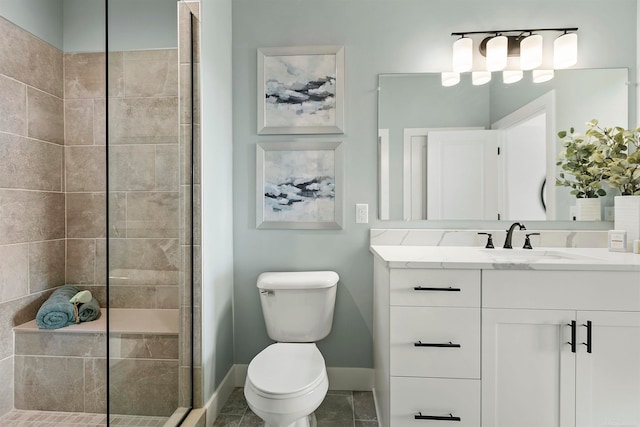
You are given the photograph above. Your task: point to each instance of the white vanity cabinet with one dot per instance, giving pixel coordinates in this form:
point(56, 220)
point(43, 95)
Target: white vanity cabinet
point(427, 346)
point(560, 348)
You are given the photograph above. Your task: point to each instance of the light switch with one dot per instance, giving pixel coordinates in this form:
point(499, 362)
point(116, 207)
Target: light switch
point(362, 213)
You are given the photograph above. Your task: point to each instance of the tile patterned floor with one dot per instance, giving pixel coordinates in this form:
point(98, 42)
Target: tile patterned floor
point(19, 418)
point(339, 409)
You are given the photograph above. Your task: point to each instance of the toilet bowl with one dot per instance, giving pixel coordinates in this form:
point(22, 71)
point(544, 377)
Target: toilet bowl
point(285, 383)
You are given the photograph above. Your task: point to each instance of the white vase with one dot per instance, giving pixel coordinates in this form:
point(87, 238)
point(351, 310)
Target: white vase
point(627, 217)
point(588, 209)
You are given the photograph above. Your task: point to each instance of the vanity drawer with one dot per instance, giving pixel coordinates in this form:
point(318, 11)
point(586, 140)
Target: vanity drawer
point(434, 397)
point(435, 342)
point(546, 289)
point(434, 287)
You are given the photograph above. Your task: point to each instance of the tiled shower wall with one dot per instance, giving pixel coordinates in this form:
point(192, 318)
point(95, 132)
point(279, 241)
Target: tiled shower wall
point(143, 175)
point(32, 201)
point(53, 180)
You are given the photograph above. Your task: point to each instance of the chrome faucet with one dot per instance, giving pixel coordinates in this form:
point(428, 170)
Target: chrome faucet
point(507, 240)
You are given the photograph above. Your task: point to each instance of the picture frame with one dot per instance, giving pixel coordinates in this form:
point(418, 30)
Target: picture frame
point(299, 185)
point(301, 90)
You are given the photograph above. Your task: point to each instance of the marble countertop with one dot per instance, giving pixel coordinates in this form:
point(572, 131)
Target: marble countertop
point(468, 257)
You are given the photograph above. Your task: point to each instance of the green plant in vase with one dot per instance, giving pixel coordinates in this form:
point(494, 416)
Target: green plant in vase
point(581, 163)
point(621, 170)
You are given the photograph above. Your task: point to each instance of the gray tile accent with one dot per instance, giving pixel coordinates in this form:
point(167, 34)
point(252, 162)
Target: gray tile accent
point(147, 346)
point(95, 380)
point(60, 344)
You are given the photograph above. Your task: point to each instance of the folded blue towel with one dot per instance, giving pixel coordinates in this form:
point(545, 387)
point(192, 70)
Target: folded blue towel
point(89, 311)
point(57, 312)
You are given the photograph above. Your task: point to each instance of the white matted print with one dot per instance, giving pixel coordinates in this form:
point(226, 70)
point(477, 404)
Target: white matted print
point(301, 90)
point(299, 185)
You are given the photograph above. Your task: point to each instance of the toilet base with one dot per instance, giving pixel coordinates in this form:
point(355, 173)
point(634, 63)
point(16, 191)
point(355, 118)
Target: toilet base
point(307, 421)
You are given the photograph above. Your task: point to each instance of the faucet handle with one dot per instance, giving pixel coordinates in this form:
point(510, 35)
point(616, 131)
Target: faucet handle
point(527, 241)
point(489, 244)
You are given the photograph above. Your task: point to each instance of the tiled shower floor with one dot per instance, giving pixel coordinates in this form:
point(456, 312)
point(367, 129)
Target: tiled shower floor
point(339, 409)
point(19, 418)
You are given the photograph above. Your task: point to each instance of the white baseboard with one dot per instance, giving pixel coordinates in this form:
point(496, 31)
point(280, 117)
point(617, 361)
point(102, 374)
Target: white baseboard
point(219, 397)
point(360, 379)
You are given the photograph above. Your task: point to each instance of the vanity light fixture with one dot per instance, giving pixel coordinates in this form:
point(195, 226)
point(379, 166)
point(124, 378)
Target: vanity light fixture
point(496, 53)
point(462, 55)
point(525, 46)
point(531, 52)
point(565, 50)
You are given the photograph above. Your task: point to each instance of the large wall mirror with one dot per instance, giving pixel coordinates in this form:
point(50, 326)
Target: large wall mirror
point(486, 152)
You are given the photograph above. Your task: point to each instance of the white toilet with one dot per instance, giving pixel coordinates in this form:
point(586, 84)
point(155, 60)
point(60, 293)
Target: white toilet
point(287, 381)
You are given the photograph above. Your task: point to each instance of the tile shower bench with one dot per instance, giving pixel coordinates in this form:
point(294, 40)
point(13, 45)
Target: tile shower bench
point(65, 369)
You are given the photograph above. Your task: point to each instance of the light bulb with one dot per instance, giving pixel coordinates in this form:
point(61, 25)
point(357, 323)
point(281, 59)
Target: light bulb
point(511, 76)
point(462, 55)
point(565, 51)
point(450, 78)
point(497, 53)
point(480, 77)
point(531, 52)
point(541, 76)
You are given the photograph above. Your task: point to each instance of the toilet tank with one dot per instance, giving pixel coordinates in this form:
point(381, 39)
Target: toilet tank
point(298, 306)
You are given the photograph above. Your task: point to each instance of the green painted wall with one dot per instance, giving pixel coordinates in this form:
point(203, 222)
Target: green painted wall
point(42, 18)
point(383, 36)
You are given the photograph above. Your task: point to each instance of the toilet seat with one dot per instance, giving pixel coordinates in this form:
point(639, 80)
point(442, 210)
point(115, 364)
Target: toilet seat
point(286, 370)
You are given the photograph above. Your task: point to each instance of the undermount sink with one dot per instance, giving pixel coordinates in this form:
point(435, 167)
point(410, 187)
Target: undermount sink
point(530, 255)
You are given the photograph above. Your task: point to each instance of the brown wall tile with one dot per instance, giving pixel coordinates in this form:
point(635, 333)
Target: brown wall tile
point(46, 265)
point(85, 168)
point(144, 261)
point(27, 216)
point(38, 64)
point(81, 261)
point(157, 390)
point(6, 373)
point(151, 73)
point(30, 165)
point(95, 385)
point(143, 120)
point(13, 108)
point(14, 274)
point(61, 344)
point(78, 119)
point(45, 116)
point(152, 214)
point(167, 167)
point(84, 75)
point(17, 312)
point(86, 215)
point(140, 346)
point(49, 383)
point(132, 168)
point(99, 121)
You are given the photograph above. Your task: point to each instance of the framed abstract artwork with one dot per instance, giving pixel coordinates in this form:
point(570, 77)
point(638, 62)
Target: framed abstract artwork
point(299, 185)
point(301, 90)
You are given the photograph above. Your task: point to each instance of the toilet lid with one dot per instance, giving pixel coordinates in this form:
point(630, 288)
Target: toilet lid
point(287, 368)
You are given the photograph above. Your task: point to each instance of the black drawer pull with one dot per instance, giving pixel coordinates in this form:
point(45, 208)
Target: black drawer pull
point(430, 344)
point(436, 417)
point(588, 343)
point(572, 343)
point(449, 289)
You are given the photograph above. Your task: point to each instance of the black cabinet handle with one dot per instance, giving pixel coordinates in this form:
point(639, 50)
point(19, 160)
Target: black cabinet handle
point(588, 343)
point(573, 336)
point(450, 417)
point(449, 289)
point(429, 344)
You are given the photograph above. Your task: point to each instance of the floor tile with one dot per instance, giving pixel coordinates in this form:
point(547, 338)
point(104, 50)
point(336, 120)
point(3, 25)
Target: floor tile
point(336, 410)
point(236, 404)
point(363, 406)
point(360, 423)
point(251, 420)
point(226, 420)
